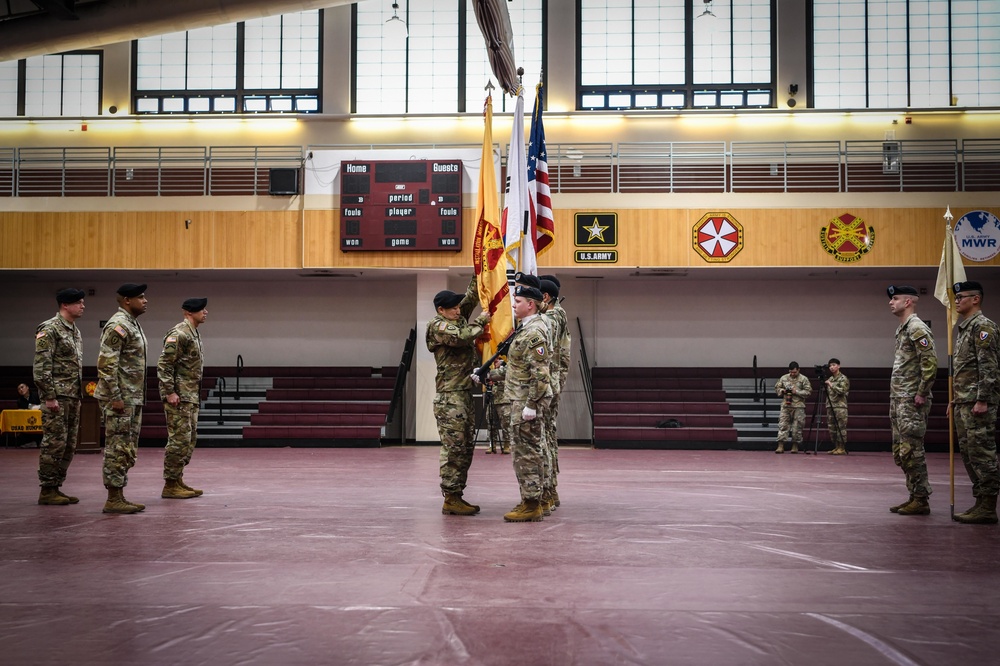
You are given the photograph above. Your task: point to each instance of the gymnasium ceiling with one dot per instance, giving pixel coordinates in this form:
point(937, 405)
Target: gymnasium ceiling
point(40, 27)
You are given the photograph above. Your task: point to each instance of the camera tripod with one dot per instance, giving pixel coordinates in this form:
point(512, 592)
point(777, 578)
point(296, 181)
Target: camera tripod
point(823, 394)
point(492, 418)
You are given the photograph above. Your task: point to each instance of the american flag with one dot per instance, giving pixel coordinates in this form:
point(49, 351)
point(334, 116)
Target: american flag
point(539, 194)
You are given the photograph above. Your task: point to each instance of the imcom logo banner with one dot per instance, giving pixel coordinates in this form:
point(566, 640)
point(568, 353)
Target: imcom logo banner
point(978, 235)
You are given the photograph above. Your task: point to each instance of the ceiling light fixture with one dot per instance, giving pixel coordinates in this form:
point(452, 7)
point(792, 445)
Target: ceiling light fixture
point(396, 24)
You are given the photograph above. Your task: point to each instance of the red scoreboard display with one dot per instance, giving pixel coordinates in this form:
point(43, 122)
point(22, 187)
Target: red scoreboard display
point(408, 205)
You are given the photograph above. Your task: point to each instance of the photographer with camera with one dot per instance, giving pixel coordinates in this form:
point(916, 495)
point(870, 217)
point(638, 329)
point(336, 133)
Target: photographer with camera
point(837, 388)
point(793, 388)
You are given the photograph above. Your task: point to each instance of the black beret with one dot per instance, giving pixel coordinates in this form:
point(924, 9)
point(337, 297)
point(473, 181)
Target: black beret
point(549, 287)
point(194, 304)
point(527, 279)
point(130, 290)
point(967, 286)
point(525, 291)
point(551, 278)
point(893, 290)
point(447, 299)
point(69, 295)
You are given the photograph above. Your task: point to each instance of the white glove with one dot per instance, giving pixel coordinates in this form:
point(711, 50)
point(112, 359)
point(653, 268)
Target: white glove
point(475, 377)
point(528, 414)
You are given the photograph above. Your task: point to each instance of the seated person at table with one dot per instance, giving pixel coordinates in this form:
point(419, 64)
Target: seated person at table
point(26, 398)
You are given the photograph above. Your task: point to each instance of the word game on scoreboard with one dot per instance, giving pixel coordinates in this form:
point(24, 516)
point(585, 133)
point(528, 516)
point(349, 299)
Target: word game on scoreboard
point(409, 205)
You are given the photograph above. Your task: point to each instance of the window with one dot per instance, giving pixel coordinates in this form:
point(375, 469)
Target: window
point(67, 84)
point(637, 54)
point(919, 54)
point(442, 66)
point(198, 71)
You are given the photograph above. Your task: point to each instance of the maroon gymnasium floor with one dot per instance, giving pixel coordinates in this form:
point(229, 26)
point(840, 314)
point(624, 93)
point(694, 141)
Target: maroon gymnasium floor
point(341, 556)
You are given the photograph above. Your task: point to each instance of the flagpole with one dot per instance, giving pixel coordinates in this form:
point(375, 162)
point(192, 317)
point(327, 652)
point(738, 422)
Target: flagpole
point(950, 269)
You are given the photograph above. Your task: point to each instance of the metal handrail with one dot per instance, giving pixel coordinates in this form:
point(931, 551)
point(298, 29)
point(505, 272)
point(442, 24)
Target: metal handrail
point(585, 371)
point(239, 371)
point(222, 381)
point(398, 389)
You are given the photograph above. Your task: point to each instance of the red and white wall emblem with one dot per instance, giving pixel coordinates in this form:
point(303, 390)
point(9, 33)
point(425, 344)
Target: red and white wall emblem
point(717, 237)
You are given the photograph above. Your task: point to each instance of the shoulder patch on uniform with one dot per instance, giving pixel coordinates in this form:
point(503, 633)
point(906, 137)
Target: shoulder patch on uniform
point(40, 334)
point(120, 331)
point(442, 325)
point(171, 338)
point(540, 351)
point(923, 342)
point(983, 336)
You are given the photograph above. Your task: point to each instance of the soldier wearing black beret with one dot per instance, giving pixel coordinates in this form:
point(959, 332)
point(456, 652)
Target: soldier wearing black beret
point(976, 396)
point(179, 371)
point(58, 375)
point(913, 371)
point(451, 338)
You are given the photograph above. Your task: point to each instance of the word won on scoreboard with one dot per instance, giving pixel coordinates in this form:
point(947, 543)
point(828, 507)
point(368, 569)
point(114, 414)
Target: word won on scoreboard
point(410, 205)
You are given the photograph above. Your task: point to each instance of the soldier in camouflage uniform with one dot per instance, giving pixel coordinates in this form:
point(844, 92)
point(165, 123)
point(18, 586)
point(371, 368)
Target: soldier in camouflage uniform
point(526, 376)
point(558, 322)
point(837, 388)
point(58, 374)
point(179, 371)
point(452, 340)
point(977, 392)
point(121, 392)
point(793, 388)
point(913, 370)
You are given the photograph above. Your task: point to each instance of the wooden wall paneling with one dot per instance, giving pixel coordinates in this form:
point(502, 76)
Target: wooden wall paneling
point(164, 240)
point(258, 239)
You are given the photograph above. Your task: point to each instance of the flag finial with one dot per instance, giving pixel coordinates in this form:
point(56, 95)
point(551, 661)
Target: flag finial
point(948, 216)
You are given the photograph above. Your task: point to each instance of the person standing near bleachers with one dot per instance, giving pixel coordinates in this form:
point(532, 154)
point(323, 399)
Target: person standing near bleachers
point(559, 331)
point(58, 374)
point(837, 388)
point(452, 340)
point(913, 371)
point(977, 392)
point(179, 372)
point(121, 392)
point(793, 388)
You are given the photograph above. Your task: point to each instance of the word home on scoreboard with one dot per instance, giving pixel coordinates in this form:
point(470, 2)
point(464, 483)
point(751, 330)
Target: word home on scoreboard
point(410, 205)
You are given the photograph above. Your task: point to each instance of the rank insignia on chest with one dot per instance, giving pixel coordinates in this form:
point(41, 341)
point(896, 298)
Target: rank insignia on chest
point(540, 351)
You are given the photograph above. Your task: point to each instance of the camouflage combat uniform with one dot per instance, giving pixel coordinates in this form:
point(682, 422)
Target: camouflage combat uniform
point(502, 404)
point(528, 384)
point(913, 372)
point(453, 344)
point(58, 374)
point(179, 371)
point(793, 391)
point(121, 371)
point(977, 379)
point(558, 323)
point(836, 410)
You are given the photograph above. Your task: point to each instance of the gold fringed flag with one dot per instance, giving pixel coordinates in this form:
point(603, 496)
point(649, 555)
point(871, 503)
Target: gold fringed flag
point(488, 254)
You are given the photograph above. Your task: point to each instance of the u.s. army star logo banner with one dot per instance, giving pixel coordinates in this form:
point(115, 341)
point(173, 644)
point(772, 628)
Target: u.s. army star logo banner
point(847, 238)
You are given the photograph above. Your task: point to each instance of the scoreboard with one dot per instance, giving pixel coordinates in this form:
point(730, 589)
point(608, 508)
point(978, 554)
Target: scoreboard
point(405, 205)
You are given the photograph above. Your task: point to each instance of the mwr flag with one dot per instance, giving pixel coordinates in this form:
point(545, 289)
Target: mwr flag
point(539, 194)
point(517, 232)
point(488, 249)
point(950, 271)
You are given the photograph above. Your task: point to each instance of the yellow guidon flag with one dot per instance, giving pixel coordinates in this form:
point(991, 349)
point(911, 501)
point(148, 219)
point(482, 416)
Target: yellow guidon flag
point(489, 257)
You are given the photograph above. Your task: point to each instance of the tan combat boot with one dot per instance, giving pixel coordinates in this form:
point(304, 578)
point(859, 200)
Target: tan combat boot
point(456, 506)
point(528, 511)
point(918, 507)
point(984, 514)
point(50, 496)
point(795, 448)
point(72, 500)
point(979, 503)
point(781, 448)
point(173, 490)
point(197, 493)
point(117, 503)
point(895, 509)
point(555, 498)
